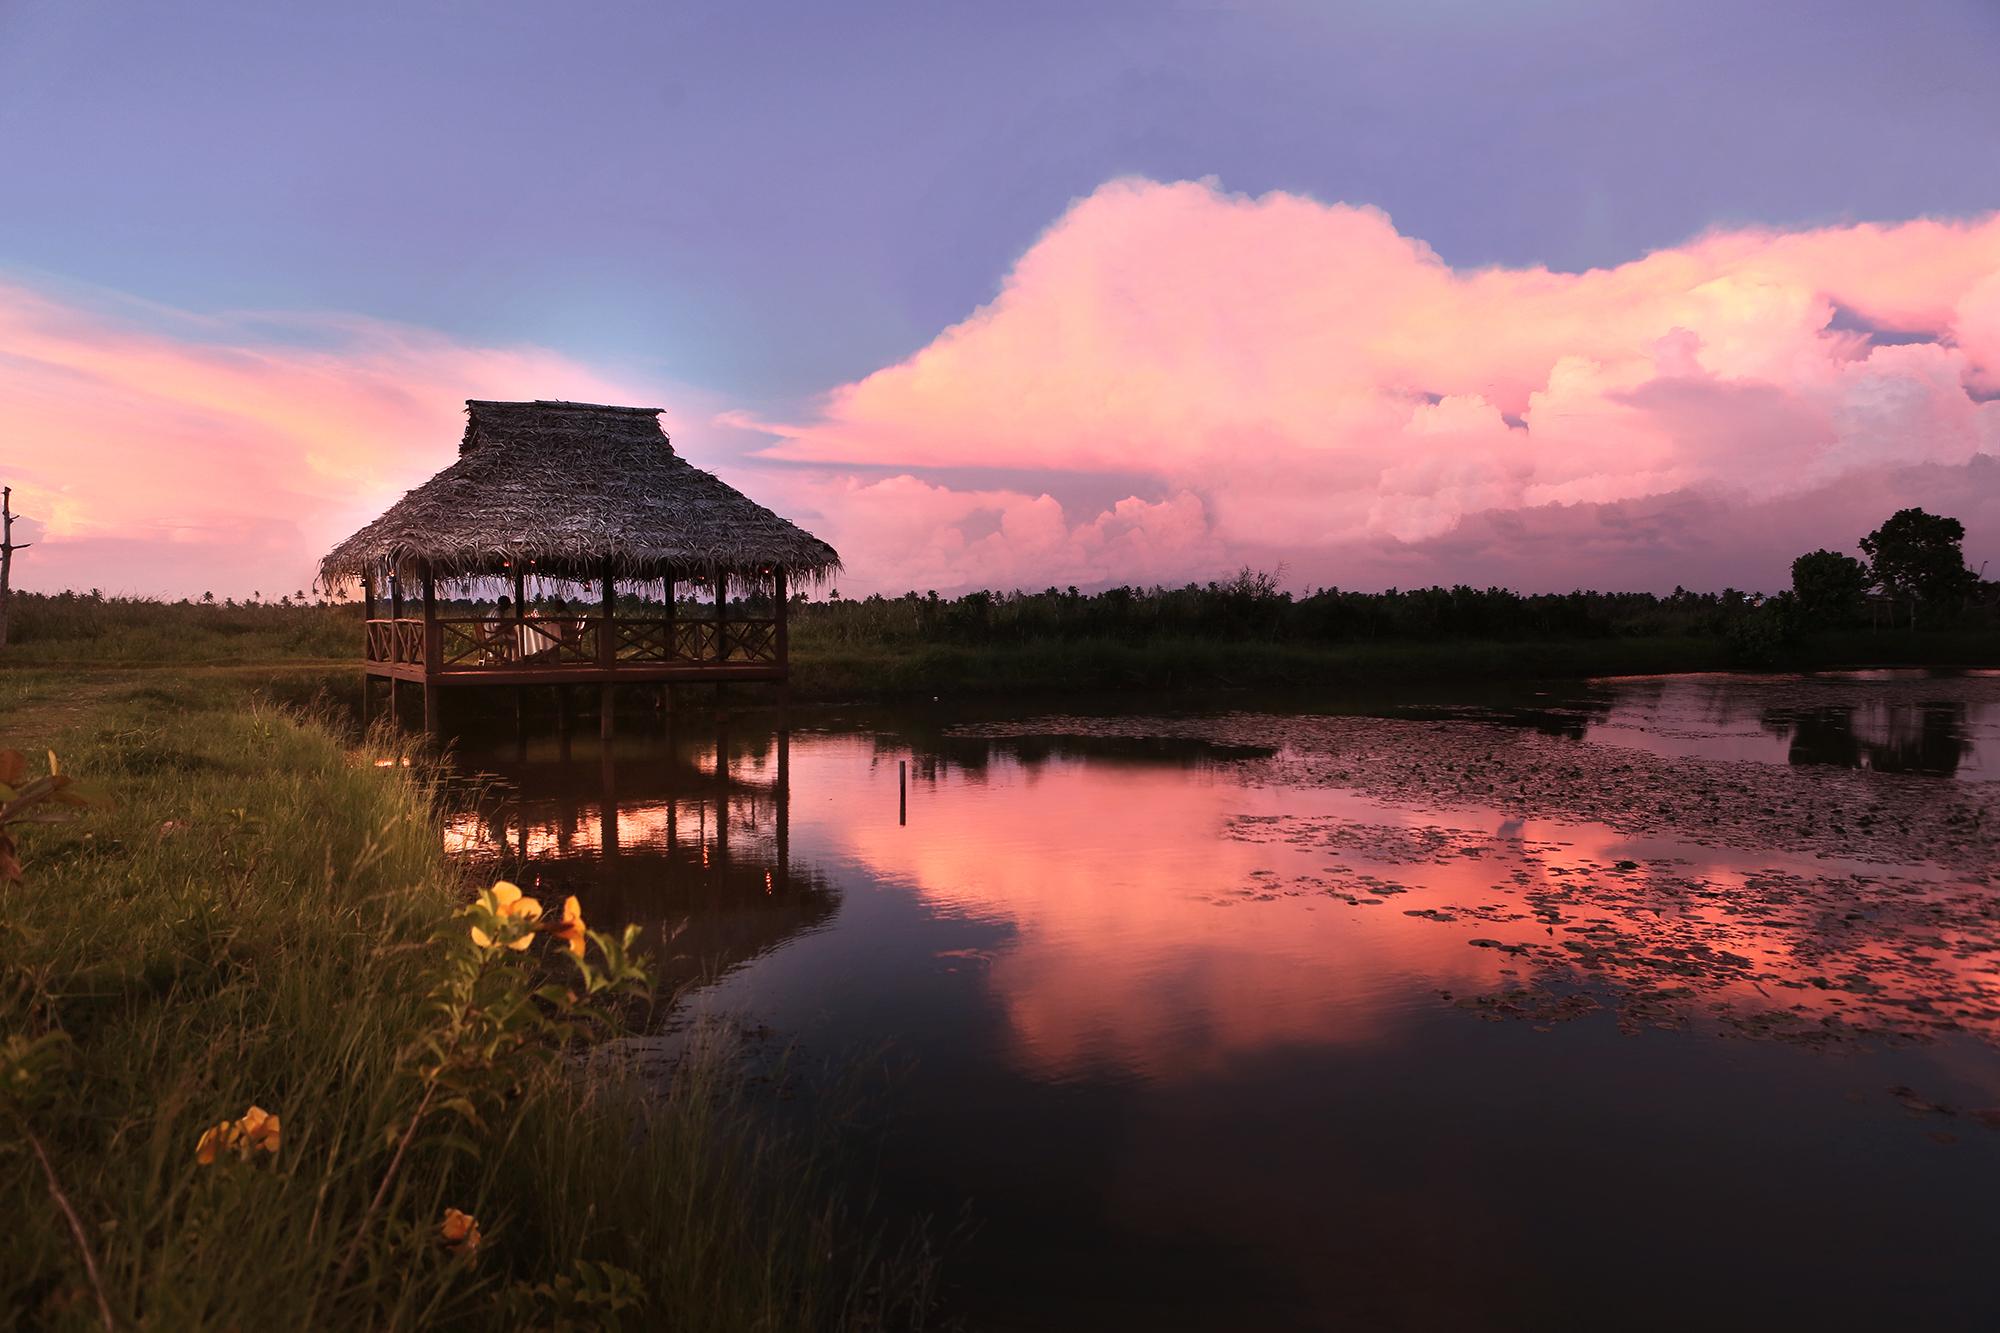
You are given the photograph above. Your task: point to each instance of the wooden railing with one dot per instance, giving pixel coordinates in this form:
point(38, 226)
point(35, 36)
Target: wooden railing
point(472, 643)
point(396, 641)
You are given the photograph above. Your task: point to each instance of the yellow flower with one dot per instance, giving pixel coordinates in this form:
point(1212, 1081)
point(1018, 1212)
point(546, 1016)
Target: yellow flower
point(570, 931)
point(257, 1128)
point(506, 901)
point(214, 1140)
point(459, 1232)
point(260, 1130)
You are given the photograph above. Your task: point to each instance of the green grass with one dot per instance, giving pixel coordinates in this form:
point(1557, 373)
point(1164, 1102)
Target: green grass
point(254, 920)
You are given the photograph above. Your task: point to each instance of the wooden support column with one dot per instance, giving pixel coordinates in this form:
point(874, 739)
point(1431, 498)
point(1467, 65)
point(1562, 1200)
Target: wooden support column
point(395, 613)
point(720, 579)
point(367, 677)
point(671, 636)
point(433, 653)
point(607, 653)
point(721, 627)
point(782, 605)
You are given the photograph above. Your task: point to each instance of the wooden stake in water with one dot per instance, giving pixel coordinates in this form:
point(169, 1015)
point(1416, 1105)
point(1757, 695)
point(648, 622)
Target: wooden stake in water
point(902, 791)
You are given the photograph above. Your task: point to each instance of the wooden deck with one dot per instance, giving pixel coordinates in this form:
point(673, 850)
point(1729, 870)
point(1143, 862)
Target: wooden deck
point(542, 650)
point(519, 651)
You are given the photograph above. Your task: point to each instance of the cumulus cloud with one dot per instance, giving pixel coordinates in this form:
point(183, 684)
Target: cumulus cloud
point(1172, 382)
point(1299, 378)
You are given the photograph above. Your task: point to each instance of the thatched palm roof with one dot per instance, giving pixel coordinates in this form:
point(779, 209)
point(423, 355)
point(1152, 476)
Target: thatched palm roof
point(566, 487)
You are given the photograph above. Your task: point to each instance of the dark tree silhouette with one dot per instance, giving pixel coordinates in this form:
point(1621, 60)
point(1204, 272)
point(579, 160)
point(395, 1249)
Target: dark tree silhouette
point(1916, 557)
point(1830, 586)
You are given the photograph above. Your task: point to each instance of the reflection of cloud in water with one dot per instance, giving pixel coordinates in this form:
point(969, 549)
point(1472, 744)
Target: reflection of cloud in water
point(1666, 934)
point(1126, 953)
point(1167, 913)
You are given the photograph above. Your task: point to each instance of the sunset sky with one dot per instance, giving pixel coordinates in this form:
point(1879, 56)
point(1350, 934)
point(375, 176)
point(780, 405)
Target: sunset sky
point(1535, 292)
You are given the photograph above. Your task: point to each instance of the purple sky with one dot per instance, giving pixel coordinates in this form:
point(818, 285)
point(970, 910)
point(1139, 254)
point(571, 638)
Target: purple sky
point(759, 204)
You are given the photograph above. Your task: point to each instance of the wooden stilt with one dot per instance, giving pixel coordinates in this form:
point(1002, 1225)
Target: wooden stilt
point(607, 654)
point(781, 607)
point(433, 656)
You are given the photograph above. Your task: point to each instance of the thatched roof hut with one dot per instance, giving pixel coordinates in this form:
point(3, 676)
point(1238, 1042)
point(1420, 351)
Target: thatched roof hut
point(569, 491)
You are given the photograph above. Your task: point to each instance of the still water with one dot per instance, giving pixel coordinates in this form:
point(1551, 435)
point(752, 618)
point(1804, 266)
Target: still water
point(1637, 1003)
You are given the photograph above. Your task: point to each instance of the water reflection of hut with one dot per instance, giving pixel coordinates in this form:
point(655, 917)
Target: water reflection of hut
point(549, 496)
point(690, 838)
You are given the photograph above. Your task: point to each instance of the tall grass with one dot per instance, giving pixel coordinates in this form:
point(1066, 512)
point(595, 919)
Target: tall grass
point(257, 920)
point(71, 627)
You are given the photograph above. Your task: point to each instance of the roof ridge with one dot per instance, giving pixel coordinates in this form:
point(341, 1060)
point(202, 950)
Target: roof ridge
point(562, 405)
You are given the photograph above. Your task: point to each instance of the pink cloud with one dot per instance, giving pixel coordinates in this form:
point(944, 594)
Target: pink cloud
point(163, 452)
point(1172, 382)
point(1294, 377)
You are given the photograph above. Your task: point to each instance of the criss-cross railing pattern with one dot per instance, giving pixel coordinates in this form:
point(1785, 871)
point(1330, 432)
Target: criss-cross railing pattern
point(694, 640)
point(750, 641)
point(395, 641)
point(643, 640)
point(471, 643)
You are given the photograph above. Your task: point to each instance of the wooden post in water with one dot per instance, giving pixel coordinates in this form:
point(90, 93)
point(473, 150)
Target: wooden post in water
point(433, 653)
point(902, 791)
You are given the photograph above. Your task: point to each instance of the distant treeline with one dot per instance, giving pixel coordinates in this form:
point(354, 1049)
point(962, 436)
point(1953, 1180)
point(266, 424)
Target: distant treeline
point(1252, 606)
point(1914, 578)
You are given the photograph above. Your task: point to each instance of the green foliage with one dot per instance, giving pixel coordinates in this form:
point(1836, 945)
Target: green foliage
point(272, 926)
point(88, 626)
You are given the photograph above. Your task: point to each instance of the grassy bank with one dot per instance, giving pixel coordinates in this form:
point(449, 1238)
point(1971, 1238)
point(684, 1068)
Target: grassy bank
point(261, 917)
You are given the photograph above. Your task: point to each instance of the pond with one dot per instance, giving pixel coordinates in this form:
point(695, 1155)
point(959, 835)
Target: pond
point(1629, 1003)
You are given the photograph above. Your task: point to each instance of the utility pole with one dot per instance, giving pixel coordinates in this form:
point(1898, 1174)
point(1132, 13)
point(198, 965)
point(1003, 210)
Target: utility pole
point(7, 549)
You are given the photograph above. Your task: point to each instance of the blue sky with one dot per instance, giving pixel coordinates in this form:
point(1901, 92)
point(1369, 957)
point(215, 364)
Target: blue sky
point(770, 199)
